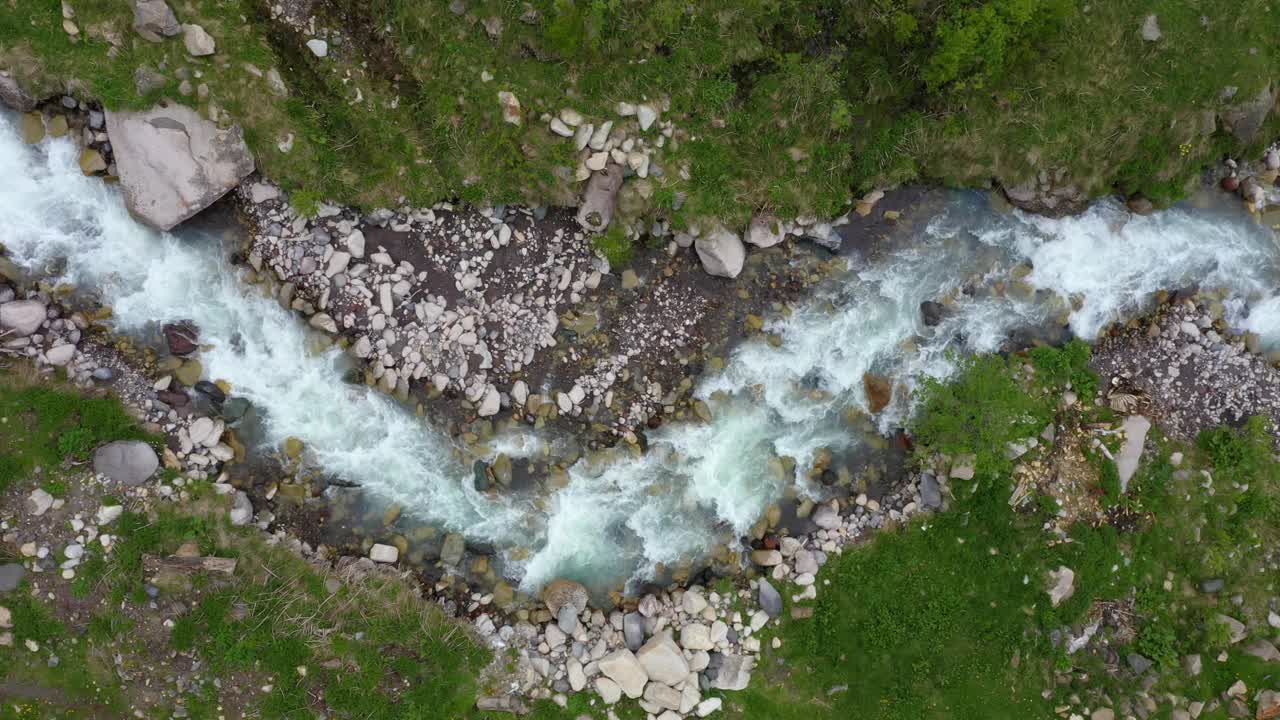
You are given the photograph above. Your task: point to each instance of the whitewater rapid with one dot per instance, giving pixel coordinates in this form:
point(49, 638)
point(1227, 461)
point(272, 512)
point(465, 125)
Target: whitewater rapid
point(700, 485)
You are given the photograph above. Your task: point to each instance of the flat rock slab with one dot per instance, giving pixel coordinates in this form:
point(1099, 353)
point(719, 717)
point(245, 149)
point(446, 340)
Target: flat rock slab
point(11, 575)
point(173, 163)
point(127, 461)
point(1135, 435)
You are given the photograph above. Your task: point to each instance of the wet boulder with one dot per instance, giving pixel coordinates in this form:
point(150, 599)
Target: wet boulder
point(561, 593)
point(181, 338)
point(932, 313)
point(173, 163)
point(126, 461)
point(879, 391)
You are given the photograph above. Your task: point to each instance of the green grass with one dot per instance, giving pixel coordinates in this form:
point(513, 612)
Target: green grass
point(787, 106)
point(43, 426)
point(948, 617)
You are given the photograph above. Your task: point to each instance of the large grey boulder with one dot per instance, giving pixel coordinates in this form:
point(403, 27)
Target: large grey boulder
point(1245, 119)
point(662, 660)
point(174, 163)
point(622, 667)
point(14, 97)
point(154, 19)
point(721, 252)
point(22, 317)
point(770, 599)
point(126, 461)
point(730, 672)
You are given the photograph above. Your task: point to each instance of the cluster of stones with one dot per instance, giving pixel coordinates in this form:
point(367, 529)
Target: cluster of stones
point(666, 650)
point(484, 299)
point(1256, 184)
point(77, 120)
point(1168, 357)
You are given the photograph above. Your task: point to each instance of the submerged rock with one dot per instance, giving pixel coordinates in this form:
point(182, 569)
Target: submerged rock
point(173, 163)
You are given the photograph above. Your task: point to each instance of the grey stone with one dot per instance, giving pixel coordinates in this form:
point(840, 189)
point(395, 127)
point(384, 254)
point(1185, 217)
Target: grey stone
point(1191, 665)
point(633, 631)
point(1135, 429)
point(22, 317)
point(452, 549)
point(173, 163)
point(663, 696)
point(13, 96)
point(1235, 628)
point(198, 42)
point(622, 667)
point(1246, 119)
point(1139, 663)
point(1263, 650)
point(930, 492)
point(11, 575)
point(241, 509)
point(126, 461)
point(318, 47)
point(770, 599)
point(154, 19)
point(600, 197)
point(721, 252)
point(567, 619)
point(1212, 585)
point(662, 660)
point(1151, 29)
point(729, 672)
point(765, 231)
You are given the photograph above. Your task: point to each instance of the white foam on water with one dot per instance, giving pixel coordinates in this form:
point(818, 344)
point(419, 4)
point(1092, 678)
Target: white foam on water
point(52, 211)
point(700, 484)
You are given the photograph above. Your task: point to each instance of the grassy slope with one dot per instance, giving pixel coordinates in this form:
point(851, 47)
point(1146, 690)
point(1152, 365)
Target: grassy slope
point(852, 86)
point(371, 650)
point(948, 618)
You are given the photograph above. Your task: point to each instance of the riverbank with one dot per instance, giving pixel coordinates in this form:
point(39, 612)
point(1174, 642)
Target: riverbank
point(1073, 499)
point(722, 113)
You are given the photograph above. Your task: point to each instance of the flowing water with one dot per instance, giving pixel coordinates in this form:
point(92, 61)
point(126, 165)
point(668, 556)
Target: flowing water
point(699, 485)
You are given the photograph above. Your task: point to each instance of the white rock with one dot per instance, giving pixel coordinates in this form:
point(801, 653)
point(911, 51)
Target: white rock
point(695, 636)
point(22, 317)
point(662, 660)
point(1061, 585)
point(108, 514)
point(60, 355)
point(624, 669)
point(355, 244)
point(198, 42)
point(318, 47)
point(721, 252)
point(708, 706)
point(39, 502)
point(558, 127)
point(765, 231)
point(646, 114)
point(491, 403)
point(384, 553)
point(609, 691)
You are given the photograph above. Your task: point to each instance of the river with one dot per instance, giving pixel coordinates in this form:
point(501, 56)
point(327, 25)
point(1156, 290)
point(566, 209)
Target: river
point(700, 485)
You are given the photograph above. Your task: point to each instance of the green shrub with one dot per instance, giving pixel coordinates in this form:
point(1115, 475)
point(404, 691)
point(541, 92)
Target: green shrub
point(615, 246)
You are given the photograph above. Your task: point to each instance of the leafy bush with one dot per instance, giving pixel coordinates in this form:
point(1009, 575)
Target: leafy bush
point(1055, 367)
point(615, 246)
point(975, 44)
point(979, 411)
